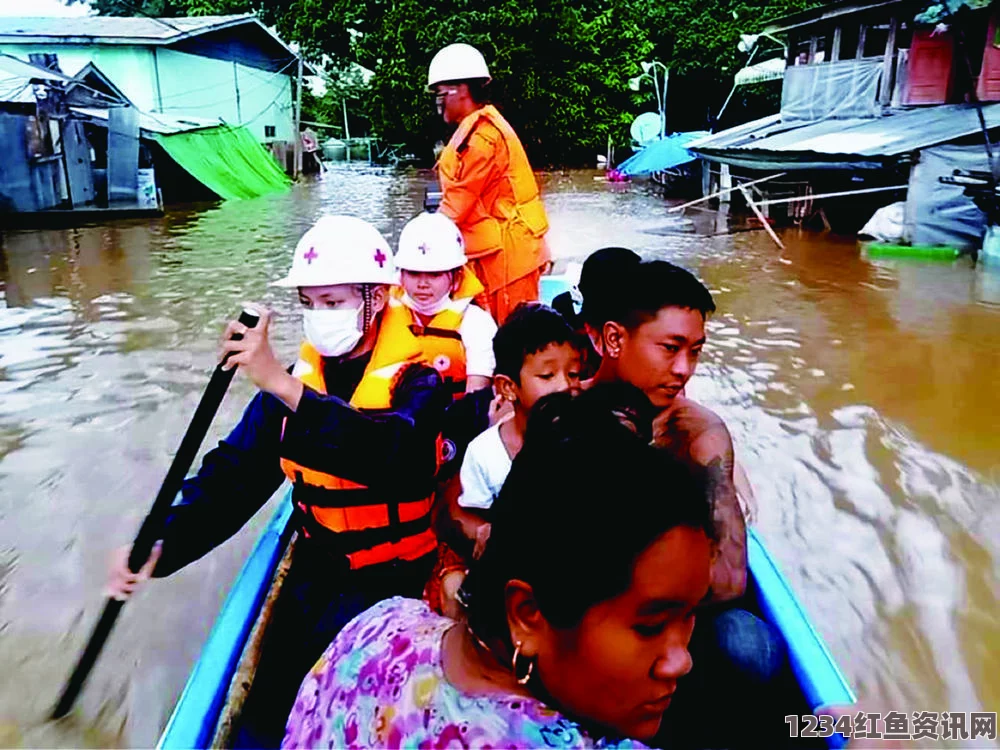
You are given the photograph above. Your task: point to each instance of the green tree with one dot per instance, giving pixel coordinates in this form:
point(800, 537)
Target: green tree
point(560, 68)
point(153, 8)
point(344, 84)
point(698, 41)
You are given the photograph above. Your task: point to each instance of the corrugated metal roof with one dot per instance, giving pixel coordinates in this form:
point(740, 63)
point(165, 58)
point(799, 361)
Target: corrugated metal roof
point(834, 9)
point(846, 140)
point(112, 29)
point(16, 76)
point(158, 123)
point(15, 66)
point(127, 30)
point(735, 134)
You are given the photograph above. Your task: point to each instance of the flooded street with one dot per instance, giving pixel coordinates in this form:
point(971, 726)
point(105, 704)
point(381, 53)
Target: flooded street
point(862, 396)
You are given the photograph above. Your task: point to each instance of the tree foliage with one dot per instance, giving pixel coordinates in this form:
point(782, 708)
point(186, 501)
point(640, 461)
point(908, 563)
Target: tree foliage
point(560, 68)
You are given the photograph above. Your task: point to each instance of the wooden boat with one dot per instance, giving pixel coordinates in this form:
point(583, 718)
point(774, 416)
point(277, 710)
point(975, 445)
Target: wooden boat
point(209, 706)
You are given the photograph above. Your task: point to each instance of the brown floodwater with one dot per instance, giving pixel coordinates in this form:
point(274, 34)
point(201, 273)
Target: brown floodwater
point(862, 396)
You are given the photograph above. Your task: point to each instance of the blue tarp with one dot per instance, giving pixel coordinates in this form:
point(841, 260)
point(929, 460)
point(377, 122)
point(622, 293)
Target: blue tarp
point(661, 154)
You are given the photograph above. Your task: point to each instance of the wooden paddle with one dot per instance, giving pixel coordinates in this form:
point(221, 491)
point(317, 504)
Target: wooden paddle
point(152, 526)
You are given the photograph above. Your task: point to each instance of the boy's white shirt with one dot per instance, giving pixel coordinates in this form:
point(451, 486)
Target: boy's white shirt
point(484, 469)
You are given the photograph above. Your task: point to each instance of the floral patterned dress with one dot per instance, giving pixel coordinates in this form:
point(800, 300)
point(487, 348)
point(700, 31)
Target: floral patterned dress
point(380, 684)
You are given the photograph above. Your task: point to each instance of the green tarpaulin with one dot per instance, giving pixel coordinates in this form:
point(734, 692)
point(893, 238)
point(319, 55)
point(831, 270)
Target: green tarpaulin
point(227, 160)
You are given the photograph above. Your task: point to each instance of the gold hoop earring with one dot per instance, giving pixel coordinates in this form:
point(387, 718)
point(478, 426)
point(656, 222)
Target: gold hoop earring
point(513, 666)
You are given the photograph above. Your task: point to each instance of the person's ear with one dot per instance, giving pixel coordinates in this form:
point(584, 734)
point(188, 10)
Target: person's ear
point(525, 621)
point(380, 298)
point(506, 387)
point(613, 336)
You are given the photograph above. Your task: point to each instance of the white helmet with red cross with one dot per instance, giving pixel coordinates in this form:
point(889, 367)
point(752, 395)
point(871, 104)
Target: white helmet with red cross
point(341, 250)
point(430, 243)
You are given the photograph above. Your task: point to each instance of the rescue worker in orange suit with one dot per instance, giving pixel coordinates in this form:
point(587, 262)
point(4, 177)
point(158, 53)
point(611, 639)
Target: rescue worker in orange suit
point(354, 427)
point(487, 186)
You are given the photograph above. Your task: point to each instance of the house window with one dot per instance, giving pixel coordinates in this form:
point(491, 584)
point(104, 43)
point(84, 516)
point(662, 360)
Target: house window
point(269, 131)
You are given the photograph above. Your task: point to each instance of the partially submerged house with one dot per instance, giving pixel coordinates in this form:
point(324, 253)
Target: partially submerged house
point(48, 159)
point(229, 69)
point(77, 149)
point(879, 105)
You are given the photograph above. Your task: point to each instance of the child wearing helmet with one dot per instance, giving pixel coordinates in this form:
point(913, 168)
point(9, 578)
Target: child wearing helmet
point(353, 426)
point(437, 289)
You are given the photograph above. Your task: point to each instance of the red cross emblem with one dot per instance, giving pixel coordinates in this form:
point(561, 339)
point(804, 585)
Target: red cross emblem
point(310, 255)
point(380, 257)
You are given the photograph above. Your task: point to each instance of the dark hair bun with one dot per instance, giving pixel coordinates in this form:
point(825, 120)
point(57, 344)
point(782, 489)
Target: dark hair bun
point(584, 497)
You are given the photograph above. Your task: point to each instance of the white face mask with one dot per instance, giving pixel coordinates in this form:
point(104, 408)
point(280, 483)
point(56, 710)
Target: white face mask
point(426, 308)
point(332, 333)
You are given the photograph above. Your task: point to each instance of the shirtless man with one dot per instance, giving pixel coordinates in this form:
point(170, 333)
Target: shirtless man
point(649, 319)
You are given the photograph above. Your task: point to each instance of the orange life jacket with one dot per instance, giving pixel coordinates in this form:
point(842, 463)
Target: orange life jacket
point(508, 214)
point(368, 526)
point(440, 340)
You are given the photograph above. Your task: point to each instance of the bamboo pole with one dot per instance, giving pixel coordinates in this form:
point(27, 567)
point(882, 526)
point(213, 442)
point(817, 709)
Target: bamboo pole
point(721, 192)
point(843, 193)
point(761, 217)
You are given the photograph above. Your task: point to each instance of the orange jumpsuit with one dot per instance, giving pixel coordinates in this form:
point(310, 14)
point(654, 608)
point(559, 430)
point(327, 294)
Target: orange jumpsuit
point(490, 192)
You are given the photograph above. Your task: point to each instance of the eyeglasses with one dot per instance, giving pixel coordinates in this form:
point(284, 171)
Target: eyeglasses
point(443, 93)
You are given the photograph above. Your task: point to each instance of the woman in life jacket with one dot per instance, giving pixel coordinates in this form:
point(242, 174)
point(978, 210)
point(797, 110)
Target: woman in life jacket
point(353, 426)
point(437, 289)
point(580, 609)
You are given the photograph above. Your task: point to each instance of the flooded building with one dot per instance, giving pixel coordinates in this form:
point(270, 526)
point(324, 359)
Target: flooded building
point(228, 69)
point(53, 163)
point(878, 102)
point(119, 115)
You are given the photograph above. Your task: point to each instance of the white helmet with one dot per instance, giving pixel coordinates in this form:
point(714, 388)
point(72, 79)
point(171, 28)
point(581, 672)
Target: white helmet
point(341, 250)
point(457, 62)
point(432, 243)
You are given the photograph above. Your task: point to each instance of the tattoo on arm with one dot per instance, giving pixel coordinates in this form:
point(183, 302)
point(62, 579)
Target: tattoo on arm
point(730, 568)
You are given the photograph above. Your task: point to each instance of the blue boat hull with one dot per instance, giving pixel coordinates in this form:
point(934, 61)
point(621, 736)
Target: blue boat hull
point(193, 722)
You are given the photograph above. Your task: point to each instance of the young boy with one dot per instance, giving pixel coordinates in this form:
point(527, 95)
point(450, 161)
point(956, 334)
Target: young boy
point(437, 289)
point(537, 353)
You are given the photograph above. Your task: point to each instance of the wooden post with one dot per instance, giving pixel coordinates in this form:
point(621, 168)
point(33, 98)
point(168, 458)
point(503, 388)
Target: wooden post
point(297, 168)
point(760, 216)
point(888, 63)
point(835, 50)
point(862, 33)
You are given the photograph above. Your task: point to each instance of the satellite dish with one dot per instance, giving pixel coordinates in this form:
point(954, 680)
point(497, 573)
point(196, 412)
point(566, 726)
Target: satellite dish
point(645, 128)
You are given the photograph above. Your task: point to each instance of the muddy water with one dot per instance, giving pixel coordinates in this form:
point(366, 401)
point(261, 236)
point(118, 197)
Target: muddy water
point(862, 395)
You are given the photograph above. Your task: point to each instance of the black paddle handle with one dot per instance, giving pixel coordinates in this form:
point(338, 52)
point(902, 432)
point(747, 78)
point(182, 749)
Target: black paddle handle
point(152, 526)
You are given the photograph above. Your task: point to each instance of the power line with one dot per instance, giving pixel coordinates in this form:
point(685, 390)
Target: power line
point(179, 94)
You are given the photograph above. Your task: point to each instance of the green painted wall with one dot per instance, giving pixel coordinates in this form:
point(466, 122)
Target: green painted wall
point(205, 87)
point(177, 83)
